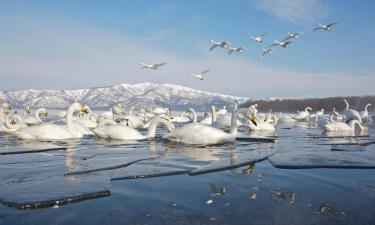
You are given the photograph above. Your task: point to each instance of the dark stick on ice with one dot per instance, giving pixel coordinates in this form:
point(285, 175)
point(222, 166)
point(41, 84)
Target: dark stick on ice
point(171, 173)
point(217, 169)
point(33, 151)
point(108, 168)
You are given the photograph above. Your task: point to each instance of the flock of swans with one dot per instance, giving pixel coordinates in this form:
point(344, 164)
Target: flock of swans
point(258, 39)
point(216, 127)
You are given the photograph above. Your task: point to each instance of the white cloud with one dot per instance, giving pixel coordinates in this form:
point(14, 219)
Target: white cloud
point(296, 11)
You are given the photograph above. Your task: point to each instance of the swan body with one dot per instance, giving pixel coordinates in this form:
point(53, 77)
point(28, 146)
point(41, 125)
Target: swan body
point(304, 115)
point(266, 51)
point(201, 134)
point(237, 50)
point(327, 27)
point(200, 76)
point(265, 125)
point(120, 132)
point(294, 35)
point(343, 127)
point(54, 131)
point(152, 66)
point(132, 121)
point(12, 123)
point(33, 120)
point(351, 114)
point(207, 119)
point(320, 113)
point(284, 44)
point(180, 119)
point(258, 38)
point(223, 44)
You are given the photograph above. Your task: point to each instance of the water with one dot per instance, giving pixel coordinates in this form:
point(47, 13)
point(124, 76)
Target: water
point(253, 194)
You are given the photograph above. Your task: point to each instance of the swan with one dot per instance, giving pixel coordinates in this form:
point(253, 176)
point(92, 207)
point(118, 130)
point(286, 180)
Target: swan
point(222, 111)
point(223, 44)
point(132, 121)
point(294, 35)
point(5, 106)
point(33, 120)
point(320, 113)
point(304, 115)
point(266, 51)
point(54, 131)
point(26, 111)
point(152, 66)
point(264, 125)
point(200, 75)
point(351, 114)
point(201, 134)
point(238, 50)
point(193, 113)
point(364, 114)
point(344, 127)
point(284, 118)
point(12, 123)
point(283, 44)
point(116, 131)
point(327, 27)
point(180, 119)
point(207, 119)
point(258, 38)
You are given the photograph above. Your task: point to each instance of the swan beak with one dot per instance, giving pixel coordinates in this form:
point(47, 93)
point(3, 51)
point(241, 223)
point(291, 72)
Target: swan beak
point(46, 114)
point(13, 122)
point(9, 106)
point(84, 110)
point(253, 119)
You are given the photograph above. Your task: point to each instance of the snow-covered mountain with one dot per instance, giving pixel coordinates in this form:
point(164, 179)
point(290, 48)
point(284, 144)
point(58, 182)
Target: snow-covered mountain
point(138, 95)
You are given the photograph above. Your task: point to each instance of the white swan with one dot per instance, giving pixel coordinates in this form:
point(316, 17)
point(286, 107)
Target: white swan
point(4, 106)
point(320, 113)
point(264, 125)
point(180, 119)
point(284, 118)
point(54, 131)
point(238, 50)
point(12, 123)
point(200, 76)
point(294, 35)
point(266, 51)
point(207, 119)
point(152, 66)
point(364, 114)
point(303, 115)
point(343, 127)
point(284, 44)
point(132, 121)
point(222, 111)
point(33, 120)
point(351, 114)
point(119, 132)
point(327, 27)
point(201, 134)
point(258, 38)
point(223, 44)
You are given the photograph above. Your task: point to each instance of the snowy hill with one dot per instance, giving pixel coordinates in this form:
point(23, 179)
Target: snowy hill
point(139, 95)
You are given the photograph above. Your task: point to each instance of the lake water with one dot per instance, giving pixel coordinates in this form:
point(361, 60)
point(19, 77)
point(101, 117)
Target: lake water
point(303, 177)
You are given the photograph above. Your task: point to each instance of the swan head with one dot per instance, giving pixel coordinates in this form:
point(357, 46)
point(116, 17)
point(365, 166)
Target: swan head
point(7, 106)
point(252, 118)
point(27, 109)
point(83, 109)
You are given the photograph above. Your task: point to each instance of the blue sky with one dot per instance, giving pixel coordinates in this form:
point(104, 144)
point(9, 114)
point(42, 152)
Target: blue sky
point(79, 44)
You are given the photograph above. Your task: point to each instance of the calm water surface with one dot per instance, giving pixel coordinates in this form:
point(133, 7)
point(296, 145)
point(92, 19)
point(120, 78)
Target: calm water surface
point(258, 193)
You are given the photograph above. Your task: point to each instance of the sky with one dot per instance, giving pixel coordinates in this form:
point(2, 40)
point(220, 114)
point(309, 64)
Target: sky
point(74, 44)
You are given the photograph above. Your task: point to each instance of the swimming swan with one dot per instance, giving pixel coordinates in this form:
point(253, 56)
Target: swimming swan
point(120, 132)
point(201, 134)
point(34, 120)
point(351, 114)
point(343, 127)
point(364, 114)
point(54, 131)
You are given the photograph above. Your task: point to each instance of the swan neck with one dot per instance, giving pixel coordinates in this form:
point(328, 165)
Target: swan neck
point(233, 127)
point(151, 132)
point(213, 112)
point(194, 114)
point(37, 112)
point(346, 104)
